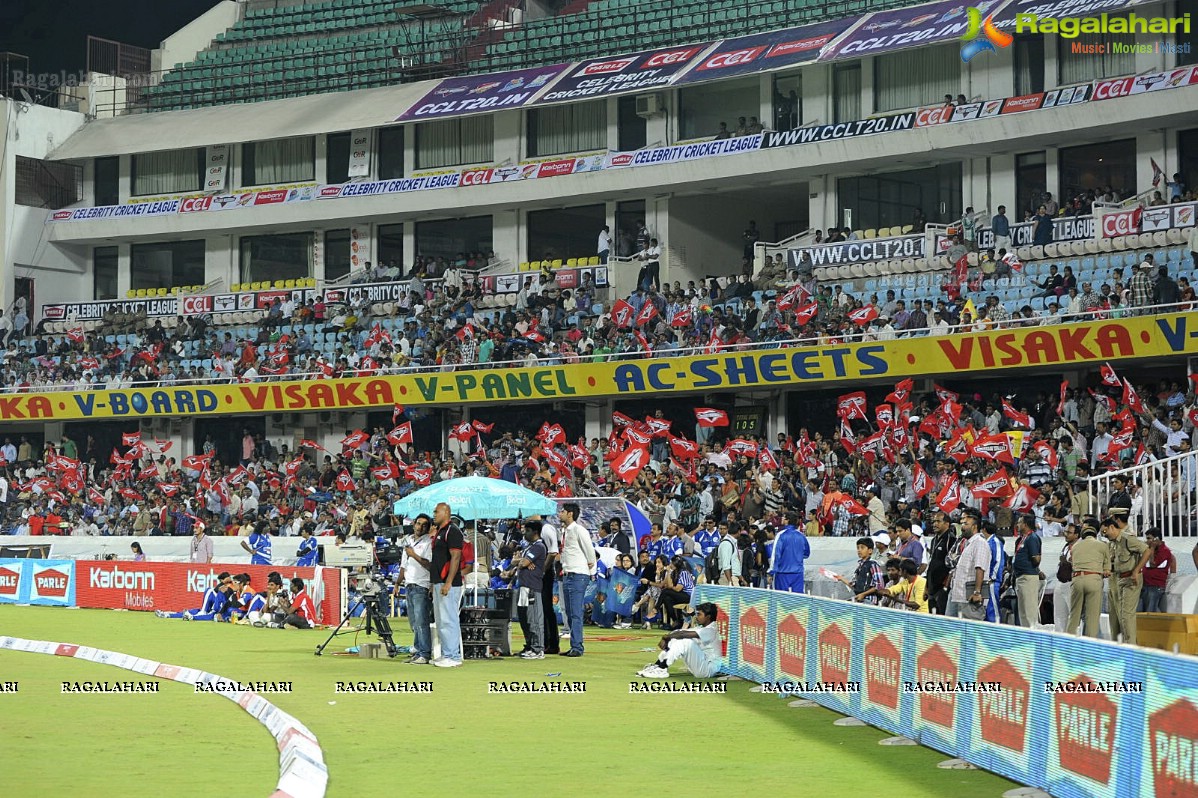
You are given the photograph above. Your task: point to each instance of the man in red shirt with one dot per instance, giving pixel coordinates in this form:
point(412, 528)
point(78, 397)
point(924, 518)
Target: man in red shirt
point(1161, 563)
point(303, 613)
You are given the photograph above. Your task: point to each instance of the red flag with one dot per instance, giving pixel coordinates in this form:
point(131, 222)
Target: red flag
point(902, 392)
point(791, 298)
point(920, 482)
point(684, 449)
point(579, 456)
point(1022, 419)
point(354, 439)
point(292, 467)
point(130, 438)
point(75, 334)
point(944, 393)
point(464, 332)
point(629, 464)
point(1109, 377)
point(345, 482)
point(1132, 399)
point(638, 434)
point(852, 405)
point(622, 314)
point(713, 343)
point(130, 494)
point(382, 473)
point(644, 342)
point(1023, 499)
point(851, 505)
point(949, 497)
point(1142, 457)
point(767, 459)
point(536, 335)
point(169, 488)
point(481, 427)
point(683, 318)
point(95, 496)
point(995, 486)
point(195, 462)
point(872, 448)
point(740, 446)
point(658, 427)
point(710, 417)
point(148, 473)
point(401, 434)
point(421, 476)
point(993, 447)
point(87, 363)
point(884, 415)
point(687, 469)
point(847, 439)
point(1061, 403)
point(863, 315)
point(805, 313)
point(461, 432)
point(1048, 452)
point(648, 311)
point(553, 435)
point(620, 420)
point(396, 413)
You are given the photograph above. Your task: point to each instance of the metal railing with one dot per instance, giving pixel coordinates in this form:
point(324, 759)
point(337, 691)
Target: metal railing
point(1165, 489)
point(558, 358)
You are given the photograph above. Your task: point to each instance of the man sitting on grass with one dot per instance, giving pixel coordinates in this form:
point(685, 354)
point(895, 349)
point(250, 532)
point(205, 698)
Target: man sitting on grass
point(303, 614)
point(216, 599)
point(698, 648)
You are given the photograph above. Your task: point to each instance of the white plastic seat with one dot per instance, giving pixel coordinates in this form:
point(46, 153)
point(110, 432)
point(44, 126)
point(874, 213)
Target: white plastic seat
point(1160, 239)
point(1120, 243)
point(1145, 240)
point(1079, 247)
point(1037, 252)
point(1105, 244)
point(1175, 236)
point(1051, 250)
point(856, 270)
point(1091, 245)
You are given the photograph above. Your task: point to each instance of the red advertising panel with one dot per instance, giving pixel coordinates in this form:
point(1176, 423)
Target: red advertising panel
point(174, 586)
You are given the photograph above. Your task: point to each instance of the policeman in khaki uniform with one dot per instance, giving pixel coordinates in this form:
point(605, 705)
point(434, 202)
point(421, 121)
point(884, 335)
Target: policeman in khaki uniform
point(1091, 563)
point(1128, 555)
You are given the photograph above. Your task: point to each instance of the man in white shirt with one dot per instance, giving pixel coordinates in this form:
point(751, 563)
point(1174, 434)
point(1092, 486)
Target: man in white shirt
point(698, 648)
point(578, 563)
point(939, 326)
point(967, 598)
point(604, 247)
point(550, 537)
point(417, 559)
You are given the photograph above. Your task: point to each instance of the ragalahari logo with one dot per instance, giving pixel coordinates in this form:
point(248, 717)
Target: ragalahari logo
point(991, 36)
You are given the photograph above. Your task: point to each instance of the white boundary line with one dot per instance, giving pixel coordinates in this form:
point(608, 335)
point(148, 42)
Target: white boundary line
point(302, 771)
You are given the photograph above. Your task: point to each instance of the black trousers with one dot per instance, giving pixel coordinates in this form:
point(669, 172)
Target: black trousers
point(666, 602)
point(297, 620)
point(552, 639)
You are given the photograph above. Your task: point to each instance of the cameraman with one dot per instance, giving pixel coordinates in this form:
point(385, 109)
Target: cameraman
point(415, 566)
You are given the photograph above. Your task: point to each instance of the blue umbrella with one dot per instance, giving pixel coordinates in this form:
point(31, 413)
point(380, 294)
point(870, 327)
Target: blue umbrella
point(477, 497)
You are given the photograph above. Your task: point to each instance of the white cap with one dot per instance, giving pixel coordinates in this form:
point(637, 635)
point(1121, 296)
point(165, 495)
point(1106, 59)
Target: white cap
point(881, 537)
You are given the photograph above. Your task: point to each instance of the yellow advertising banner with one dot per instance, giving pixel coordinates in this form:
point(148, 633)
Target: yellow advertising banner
point(1049, 347)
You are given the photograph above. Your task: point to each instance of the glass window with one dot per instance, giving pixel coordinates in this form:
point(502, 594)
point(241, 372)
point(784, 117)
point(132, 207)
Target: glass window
point(1095, 166)
point(447, 238)
point(278, 257)
point(788, 101)
point(915, 77)
point(893, 199)
point(574, 127)
point(390, 153)
point(391, 246)
point(169, 172)
point(279, 161)
point(164, 264)
point(107, 181)
point(336, 158)
point(702, 108)
point(1029, 65)
point(336, 254)
point(564, 233)
point(453, 142)
point(632, 129)
point(104, 269)
point(1090, 56)
point(846, 92)
point(47, 184)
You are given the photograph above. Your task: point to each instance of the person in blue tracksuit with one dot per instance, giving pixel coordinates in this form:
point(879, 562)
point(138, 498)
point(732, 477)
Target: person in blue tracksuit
point(258, 545)
point(998, 567)
point(309, 550)
point(216, 599)
point(791, 550)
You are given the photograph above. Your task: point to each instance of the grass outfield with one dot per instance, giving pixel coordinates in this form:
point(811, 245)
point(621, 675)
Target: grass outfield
point(458, 739)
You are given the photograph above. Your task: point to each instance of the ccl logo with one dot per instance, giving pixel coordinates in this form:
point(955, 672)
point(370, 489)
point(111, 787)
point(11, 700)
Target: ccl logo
point(991, 36)
point(732, 58)
point(671, 57)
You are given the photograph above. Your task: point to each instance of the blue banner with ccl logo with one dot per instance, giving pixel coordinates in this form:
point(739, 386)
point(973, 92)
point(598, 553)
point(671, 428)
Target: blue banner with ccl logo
point(1074, 716)
point(44, 582)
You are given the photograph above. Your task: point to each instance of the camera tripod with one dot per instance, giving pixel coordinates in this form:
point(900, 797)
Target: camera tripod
point(374, 616)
